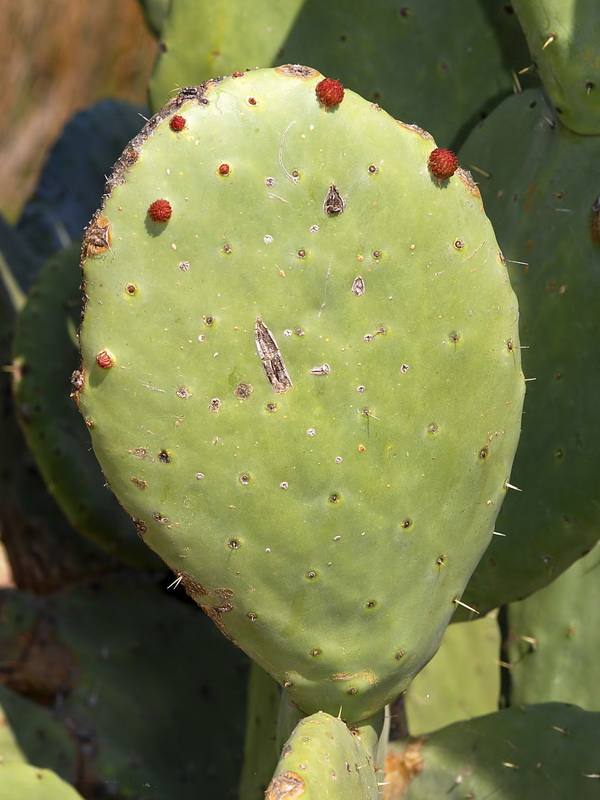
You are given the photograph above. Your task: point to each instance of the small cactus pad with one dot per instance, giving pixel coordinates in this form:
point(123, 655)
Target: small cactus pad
point(545, 751)
point(322, 760)
point(313, 408)
point(563, 40)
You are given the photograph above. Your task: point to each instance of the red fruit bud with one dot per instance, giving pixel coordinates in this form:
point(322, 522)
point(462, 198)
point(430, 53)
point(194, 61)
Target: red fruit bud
point(442, 163)
point(104, 359)
point(177, 123)
point(330, 92)
point(160, 211)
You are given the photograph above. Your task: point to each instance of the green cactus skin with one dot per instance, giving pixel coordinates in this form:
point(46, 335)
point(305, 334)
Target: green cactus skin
point(552, 637)
point(544, 183)
point(123, 704)
point(468, 657)
point(563, 40)
point(45, 349)
point(327, 527)
point(260, 744)
point(548, 750)
point(40, 735)
point(323, 760)
point(408, 57)
point(24, 782)
point(155, 12)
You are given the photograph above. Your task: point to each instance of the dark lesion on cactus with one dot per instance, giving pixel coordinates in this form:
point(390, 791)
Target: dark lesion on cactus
point(97, 238)
point(214, 603)
point(243, 390)
point(140, 526)
point(270, 356)
point(334, 203)
point(287, 786)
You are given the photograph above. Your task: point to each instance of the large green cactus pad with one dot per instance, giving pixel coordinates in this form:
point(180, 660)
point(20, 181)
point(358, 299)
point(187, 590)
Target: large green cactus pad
point(305, 385)
point(322, 760)
point(542, 196)
point(548, 750)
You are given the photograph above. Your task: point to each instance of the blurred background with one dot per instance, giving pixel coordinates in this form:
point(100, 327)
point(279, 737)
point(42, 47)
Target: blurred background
point(59, 57)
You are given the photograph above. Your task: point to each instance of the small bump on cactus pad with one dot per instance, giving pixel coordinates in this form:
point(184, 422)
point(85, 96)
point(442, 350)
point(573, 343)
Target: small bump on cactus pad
point(324, 272)
point(330, 92)
point(177, 123)
point(442, 163)
point(160, 211)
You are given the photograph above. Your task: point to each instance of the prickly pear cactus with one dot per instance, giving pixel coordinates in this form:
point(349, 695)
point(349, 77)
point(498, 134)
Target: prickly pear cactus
point(301, 375)
point(548, 750)
point(551, 636)
point(542, 195)
point(563, 39)
point(322, 759)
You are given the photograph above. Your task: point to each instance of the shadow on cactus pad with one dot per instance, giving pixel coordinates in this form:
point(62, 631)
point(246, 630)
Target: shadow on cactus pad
point(149, 708)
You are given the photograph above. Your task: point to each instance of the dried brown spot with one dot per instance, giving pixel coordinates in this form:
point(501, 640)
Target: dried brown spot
point(271, 358)
point(415, 129)
point(467, 179)
point(334, 203)
point(140, 526)
point(139, 483)
point(287, 786)
point(403, 762)
point(140, 452)
point(297, 71)
point(97, 237)
point(243, 391)
point(77, 380)
point(214, 405)
point(213, 603)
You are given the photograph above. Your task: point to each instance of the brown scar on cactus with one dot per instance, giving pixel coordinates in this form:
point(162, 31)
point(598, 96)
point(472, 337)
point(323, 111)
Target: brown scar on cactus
point(243, 391)
point(271, 358)
point(97, 237)
point(297, 71)
point(334, 203)
point(221, 601)
point(287, 786)
point(358, 286)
